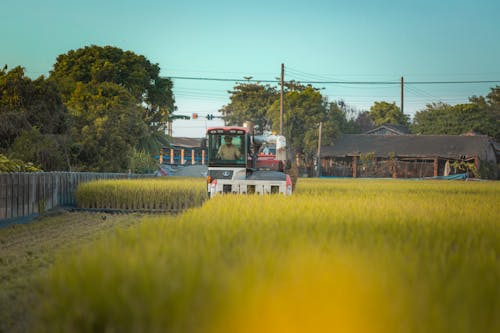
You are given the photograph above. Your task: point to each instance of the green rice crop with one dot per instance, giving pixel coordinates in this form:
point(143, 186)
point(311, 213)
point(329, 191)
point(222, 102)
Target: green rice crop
point(142, 194)
point(337, 256)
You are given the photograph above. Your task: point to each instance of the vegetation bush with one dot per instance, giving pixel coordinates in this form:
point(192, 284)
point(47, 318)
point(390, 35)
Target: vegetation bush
point(14, 165)
point(142, 162)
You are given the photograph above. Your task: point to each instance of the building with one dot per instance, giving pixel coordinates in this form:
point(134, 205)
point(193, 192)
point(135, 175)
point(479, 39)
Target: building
point(185, 150)
point(389, 129)
point(400, 155)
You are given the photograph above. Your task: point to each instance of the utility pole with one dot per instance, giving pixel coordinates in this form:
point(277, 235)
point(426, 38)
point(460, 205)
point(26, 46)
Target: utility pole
point(402, 94)
point(319, 149)
point(169, 128)
point(282, 81)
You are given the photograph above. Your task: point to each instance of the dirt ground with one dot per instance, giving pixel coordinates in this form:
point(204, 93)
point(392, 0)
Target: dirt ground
point(27, 251)
point(192, 171)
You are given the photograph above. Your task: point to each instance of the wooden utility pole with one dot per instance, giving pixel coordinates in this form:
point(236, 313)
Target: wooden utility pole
point(282, 81)
point(402, 94)
point(319, 148)
point(169, 128)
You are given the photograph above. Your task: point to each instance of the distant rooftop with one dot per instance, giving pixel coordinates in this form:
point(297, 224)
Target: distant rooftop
point(185, 142)
point(389, 129)
point(444, 146)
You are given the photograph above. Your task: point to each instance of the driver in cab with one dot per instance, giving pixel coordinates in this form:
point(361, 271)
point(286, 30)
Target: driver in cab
point(228, 151)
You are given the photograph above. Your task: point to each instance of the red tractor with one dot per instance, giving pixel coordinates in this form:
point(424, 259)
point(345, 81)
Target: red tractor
point(239, 162)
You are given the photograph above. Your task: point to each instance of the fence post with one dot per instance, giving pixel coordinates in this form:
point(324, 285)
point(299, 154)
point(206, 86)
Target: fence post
point(395, 168)
point(70, 185)
point(15, 194)
point(62, 188)
point(55, 190)
point(26, 194)
point(36, 204)
point(354, 166)
point(477, 164)
point(32, 199)
point(3, 196)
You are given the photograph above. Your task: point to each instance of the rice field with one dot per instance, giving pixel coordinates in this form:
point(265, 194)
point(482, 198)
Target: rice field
point(337, 256)
point(166, 193)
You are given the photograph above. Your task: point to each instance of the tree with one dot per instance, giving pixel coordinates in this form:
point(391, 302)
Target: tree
point(335, 122)
point(33, 119)
point(25, 104)
point(137, 75)
point(48, 151)
point(491, 107)
point(388, 113)
point(14, 92)
point(250, 102)
point(46, 110)
point(305, 108)
point(363, 123)
point(493, 98)
point(481, 115)
point(106, 125)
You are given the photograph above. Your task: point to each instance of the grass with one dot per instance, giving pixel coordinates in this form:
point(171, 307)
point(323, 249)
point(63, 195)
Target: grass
point(338, 255)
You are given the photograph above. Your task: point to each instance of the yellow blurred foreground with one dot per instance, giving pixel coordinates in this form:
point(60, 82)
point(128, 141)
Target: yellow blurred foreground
point(337, 256)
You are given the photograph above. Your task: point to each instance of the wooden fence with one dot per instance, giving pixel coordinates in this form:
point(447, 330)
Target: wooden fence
point(26, 194)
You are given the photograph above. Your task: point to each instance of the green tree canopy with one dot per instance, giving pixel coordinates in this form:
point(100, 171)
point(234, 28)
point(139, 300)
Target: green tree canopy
point(106, 125)
point(362, 123)
point(33, 120)
point(491, 107)
point(305, 108)
point(433, 119)
point(388, 113)
point(48, 151)
point(25, 104)
point(481, 114)
point(250, 102)
point(137, 75)
point(493, 98)
point(336, 122)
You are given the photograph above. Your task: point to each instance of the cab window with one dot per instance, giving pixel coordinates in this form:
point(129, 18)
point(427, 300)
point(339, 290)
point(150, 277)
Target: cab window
point(226, 149)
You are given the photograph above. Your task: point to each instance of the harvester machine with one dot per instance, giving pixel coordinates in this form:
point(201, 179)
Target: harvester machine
point(242, 163)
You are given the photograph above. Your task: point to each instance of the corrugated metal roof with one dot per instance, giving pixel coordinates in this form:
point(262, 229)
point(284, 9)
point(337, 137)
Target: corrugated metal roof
point(445, 146)
point(184, 142)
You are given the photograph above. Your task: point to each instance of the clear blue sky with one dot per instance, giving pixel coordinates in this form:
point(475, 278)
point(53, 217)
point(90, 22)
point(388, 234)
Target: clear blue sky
point(317, 40)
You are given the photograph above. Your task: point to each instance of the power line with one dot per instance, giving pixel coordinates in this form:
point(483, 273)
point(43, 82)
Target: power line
point(333, 82)
point(218, 79)
point(453, 82)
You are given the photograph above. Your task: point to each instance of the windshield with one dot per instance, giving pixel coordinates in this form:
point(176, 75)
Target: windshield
point(267, 149)
point(226, 149)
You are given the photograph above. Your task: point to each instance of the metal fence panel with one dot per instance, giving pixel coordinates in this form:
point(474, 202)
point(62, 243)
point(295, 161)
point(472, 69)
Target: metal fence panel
point(25, 194)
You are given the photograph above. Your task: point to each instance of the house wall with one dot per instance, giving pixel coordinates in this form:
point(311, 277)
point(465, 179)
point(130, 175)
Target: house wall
point(353, 166)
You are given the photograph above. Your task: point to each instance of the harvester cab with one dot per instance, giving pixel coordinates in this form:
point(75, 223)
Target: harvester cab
point(238, 162)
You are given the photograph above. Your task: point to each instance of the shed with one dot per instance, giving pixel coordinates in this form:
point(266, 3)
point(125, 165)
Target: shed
point(184, 150)
point(403, 156)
